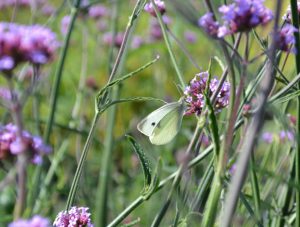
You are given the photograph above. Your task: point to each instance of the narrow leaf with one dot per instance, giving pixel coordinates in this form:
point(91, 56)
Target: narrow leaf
point(143, 160)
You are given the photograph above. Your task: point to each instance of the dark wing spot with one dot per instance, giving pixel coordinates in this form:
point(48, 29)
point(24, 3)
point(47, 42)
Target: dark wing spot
point(153, 123)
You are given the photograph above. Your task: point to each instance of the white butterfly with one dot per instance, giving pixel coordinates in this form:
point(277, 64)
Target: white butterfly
point(163, 124)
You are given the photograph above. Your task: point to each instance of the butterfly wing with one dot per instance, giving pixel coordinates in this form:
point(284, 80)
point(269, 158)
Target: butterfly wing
point(168, 126)
point(149, 123)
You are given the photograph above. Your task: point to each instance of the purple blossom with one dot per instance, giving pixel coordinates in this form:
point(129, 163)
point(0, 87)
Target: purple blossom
point(64, 24)
point(160, 6)
point(137, 41)
point(20, 43)
point(286, 38)
point(35, 221)
point(98, 11)
point(267, 137)
point(11, 144)
point(242, 15)
point(194, 94)
point(209, 25)
point(289, 135)
point(108, 39)
point(75, 217)
point(190, 36)
point(155, 29)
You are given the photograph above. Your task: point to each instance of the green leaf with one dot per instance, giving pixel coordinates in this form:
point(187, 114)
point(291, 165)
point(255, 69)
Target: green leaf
point(143, 160)
point(213, 126)
point(154, 181)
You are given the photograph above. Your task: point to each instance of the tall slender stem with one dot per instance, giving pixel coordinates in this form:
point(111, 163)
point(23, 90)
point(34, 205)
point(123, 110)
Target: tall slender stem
point(59, 72)
point(295, 17)
point(78, 172)
point(168, 44)
point(252, 132)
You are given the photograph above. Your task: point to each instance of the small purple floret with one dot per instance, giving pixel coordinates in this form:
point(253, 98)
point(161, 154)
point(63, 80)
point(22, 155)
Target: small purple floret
point(160, 6)
point(241, 15)
point(35, 221)
point(75, 217)
point(194, 94)
point(11, 144)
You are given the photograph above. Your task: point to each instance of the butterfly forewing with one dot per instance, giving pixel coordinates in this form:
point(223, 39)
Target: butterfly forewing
point(149, 123)
point(171, 125)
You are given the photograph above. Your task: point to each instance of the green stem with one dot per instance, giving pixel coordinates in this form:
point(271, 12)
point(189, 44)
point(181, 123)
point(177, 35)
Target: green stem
point(295, 16)
point(59, 72)
point(79, 169)
point(138, 201)
point(176, 180)
point(255, 190)
point(168, 44)
point(105, 170)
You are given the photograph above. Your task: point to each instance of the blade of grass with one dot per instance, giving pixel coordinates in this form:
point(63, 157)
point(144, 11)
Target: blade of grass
point(168, 45)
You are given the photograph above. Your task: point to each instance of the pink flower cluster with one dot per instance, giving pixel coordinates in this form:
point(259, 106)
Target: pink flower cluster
point(11, 144)
point(9, 3)
point(98, 11)
point(35, 221)
point(286, 38)
point(242, 15)
point(194, 94)
point(20, 43)
point(160, 6)
point(75, 217)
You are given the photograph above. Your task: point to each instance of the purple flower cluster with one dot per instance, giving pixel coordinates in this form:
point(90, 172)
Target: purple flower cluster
point(194, 94)
point(286, 38)
point(108, 39)
point(160, 6)
point(98, 11)
point(75, 217)
point(35, 221)
point(11, 144)
point(242, 15)
point(284, 135)
point(20, 43)
point(267, 137)
point(9, 3)
point(155, 29)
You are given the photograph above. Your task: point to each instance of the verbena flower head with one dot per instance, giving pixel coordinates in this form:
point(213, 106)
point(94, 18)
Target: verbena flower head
point(287, 17)
point(286, 135)
point(209, 25)
point(116, 41)
point(20, 43)
point(35, 221)
point(11, 144)
point(160, 6)
point(194, 94)
point(267, 137)
point(286, 38)
point(155, 29)
point(64, 24)
point(190, 36)
point(98, 11)
point(75, 217)
point(242, 15)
